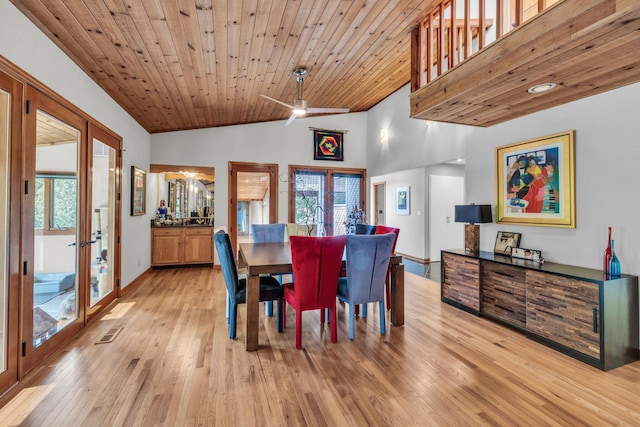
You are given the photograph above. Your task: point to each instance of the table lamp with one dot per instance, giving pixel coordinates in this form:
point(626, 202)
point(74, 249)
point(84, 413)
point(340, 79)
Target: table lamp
point(472, 214)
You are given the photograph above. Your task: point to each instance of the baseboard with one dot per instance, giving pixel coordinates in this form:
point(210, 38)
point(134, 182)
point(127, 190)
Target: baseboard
point(134, 282)
point(415, 259)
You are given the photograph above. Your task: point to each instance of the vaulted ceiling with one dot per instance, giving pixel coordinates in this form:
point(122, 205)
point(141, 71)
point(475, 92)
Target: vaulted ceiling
point(186, 64)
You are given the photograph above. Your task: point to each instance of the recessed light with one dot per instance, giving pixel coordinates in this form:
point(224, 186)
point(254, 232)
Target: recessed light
point(543, 87)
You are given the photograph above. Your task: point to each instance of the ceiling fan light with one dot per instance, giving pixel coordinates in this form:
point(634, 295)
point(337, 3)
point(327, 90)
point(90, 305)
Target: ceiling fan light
point(299, 107)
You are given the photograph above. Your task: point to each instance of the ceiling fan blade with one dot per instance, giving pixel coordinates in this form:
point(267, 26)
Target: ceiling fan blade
point(327, 110)
point(275, 100)
point(291, 119)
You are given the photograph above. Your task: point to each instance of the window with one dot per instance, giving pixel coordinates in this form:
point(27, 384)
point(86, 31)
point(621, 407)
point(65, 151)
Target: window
point(55, 203)
point(323, 196)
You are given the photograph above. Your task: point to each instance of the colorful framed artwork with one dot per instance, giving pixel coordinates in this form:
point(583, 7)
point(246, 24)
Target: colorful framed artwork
point(138, 191)
point(536, 182)
point(403, 201)
point(327, 145)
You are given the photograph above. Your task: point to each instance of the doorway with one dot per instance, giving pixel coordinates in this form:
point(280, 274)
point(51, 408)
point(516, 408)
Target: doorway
point(324, 198)
point(253, 198)
point(444, 233)
point(70, 225)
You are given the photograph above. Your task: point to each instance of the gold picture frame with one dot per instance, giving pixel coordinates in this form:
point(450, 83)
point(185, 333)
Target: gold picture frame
point(536, 182)
point(138, 191)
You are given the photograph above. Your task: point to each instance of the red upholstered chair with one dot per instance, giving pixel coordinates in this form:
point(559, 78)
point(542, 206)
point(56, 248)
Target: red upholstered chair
point(316, 263)
point(381, 229)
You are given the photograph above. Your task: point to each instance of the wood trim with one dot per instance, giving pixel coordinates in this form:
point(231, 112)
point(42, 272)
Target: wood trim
point(15, 189)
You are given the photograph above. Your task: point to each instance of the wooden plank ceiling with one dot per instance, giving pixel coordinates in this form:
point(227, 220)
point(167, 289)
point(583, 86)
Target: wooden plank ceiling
point(186, 64)
point(585, 47)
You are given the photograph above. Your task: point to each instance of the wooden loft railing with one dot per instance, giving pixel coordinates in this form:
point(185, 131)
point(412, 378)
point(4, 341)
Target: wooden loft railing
point(436, 48)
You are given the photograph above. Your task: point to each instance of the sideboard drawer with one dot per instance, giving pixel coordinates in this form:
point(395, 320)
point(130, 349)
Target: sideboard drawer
point(504, 293)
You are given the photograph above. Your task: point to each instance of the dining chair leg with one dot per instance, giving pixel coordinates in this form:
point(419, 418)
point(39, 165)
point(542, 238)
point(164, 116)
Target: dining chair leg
point(322, 315)
point(228, 310)
point(233, 314)
point(334, 324)
point(363, 311)
point(388, 289)
point(352, 321)
point(383, 313)
point(284, 315)
point(298, 328)
point(268, 308)
point(279, 315)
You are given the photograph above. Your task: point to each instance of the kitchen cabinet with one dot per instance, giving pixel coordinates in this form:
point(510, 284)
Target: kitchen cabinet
point(181, 245)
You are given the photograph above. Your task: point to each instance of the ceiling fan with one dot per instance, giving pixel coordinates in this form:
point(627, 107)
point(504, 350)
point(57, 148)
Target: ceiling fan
point(299, 107)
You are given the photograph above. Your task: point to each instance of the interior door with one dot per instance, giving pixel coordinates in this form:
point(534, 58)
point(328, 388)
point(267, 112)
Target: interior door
point(55, 251)
point(10, 131)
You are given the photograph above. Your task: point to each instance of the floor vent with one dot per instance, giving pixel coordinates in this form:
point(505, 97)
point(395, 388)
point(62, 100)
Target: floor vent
point(109, 336)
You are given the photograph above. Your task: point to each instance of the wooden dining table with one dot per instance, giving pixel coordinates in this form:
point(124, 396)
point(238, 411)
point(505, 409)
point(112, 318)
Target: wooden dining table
point(275, 258)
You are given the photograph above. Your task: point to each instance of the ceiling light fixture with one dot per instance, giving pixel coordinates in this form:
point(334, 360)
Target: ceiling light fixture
point(299, 107)
point(542, 87)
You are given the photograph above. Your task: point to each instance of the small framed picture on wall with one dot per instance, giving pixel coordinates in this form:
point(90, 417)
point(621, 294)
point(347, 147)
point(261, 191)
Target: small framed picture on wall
point(403, 201)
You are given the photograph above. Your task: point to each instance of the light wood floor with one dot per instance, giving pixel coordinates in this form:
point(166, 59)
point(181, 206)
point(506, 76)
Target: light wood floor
point(174, 365)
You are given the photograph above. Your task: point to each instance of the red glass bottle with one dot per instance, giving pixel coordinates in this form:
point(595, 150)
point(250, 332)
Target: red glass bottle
point(607, 256)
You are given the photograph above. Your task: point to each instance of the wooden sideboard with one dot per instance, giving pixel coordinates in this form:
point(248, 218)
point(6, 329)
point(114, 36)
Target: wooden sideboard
point(571, 309)
point(181, 245)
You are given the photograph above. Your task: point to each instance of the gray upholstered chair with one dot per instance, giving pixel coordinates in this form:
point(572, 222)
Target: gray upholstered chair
point(367, 263)
point(268, 233)
point(365, 229)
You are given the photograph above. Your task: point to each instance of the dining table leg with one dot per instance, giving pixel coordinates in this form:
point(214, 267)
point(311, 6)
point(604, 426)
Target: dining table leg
point(253, 312)
point(397, 294)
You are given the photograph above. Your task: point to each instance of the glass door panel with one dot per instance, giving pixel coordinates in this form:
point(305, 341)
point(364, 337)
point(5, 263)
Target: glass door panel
point(309, 190)
point(103, 195)
point(56, 208)
point(346, 203)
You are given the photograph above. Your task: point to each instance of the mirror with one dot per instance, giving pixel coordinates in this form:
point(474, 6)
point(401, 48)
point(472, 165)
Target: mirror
point(182, 194)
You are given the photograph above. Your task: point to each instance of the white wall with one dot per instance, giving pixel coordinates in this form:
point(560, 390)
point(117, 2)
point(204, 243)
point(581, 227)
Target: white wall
point(607, 131)
point(27, 47)
point(269, 142)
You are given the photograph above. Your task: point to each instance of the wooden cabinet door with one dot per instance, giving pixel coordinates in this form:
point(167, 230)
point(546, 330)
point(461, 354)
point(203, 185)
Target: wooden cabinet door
point(461, 281)
point(564, 310)
point(504, 293)
point(198, 245)
point(166, 246)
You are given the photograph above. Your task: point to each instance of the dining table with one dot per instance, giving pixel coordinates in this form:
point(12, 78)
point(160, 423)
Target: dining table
point(275, 258)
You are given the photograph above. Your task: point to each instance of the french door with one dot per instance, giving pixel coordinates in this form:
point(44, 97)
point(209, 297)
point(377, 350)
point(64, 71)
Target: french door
point(325, 196)
point(69, 224)
point(10, 131)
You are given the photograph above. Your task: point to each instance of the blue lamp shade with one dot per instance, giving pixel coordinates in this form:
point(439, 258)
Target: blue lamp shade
point(473, 214)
